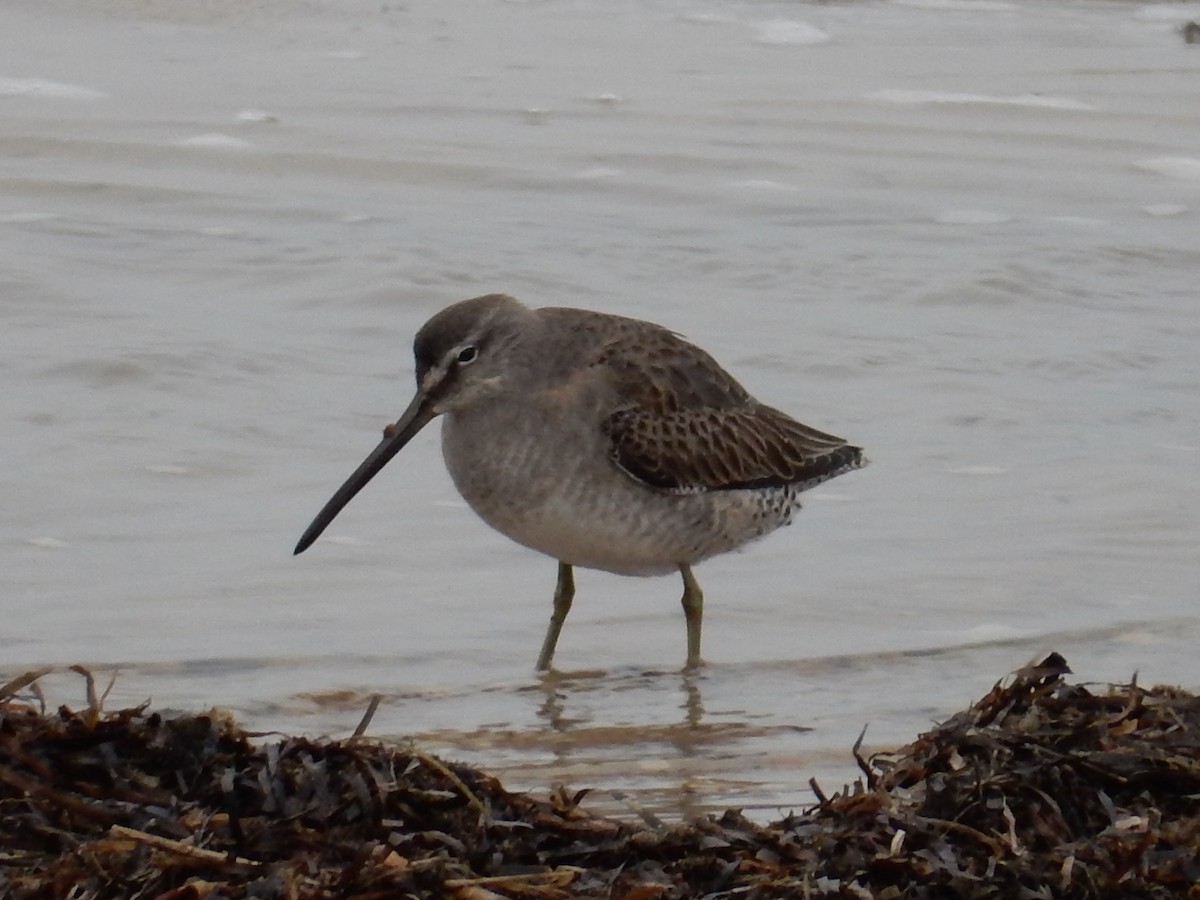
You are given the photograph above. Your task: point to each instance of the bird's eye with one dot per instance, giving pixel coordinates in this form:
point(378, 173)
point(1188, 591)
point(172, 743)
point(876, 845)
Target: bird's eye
point(467, 355)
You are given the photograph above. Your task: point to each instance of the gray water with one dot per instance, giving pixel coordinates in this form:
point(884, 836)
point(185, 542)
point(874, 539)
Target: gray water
point(962, 234)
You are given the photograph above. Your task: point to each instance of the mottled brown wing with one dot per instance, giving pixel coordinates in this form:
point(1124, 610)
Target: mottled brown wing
point(683, 423)
point(726, 449)
point(656, 370)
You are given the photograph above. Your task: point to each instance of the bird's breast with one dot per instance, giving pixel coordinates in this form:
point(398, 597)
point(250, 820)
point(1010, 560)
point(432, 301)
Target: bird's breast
point(548, 481)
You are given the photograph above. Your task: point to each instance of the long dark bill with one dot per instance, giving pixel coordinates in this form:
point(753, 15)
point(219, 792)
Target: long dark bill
point(416, 417)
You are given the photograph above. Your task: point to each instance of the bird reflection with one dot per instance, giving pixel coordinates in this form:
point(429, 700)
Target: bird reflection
point(660, 760)
point(559, 689)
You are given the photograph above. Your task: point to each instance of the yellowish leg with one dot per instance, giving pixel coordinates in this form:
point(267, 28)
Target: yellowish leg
point(693, 611)
point(564, 593)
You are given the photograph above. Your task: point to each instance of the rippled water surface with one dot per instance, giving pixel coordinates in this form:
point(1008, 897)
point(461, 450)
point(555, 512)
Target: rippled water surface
point(963, 234)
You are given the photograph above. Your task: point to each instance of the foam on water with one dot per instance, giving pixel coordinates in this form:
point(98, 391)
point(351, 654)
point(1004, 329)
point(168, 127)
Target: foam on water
point(1032, 100)
point(970, 6)
point(1186, 168)
point(972, 217)
point(44, 88)
point(1166, 12)
point(788, 32)
point(217, 141)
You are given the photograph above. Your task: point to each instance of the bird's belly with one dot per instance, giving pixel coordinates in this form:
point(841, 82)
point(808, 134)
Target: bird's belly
point(578, 507)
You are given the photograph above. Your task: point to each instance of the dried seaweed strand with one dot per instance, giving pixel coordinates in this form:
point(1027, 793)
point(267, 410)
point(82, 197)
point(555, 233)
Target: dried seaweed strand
point(559, 877)
point(24, 680)
point(34, 787)
point(997, 847)
point(92, 700)
point(365, 721)
point(438, 766)
point(178, 847)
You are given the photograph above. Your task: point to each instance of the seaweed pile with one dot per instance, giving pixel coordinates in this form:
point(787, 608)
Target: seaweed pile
point(1041, 789)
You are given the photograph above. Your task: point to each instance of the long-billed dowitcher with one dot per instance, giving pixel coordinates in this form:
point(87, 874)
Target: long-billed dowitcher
point(603, 442)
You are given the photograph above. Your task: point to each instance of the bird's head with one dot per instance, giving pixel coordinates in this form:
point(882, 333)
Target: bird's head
point(464, 356)
point(467, 353)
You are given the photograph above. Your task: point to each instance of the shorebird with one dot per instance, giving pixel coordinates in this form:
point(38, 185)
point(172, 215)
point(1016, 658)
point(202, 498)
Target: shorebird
point(603, 442)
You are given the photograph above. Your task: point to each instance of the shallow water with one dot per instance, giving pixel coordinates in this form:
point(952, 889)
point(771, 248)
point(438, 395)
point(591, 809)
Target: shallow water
point(962, 234)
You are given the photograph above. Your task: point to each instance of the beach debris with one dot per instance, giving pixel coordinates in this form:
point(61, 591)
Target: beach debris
point(1043, 788)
